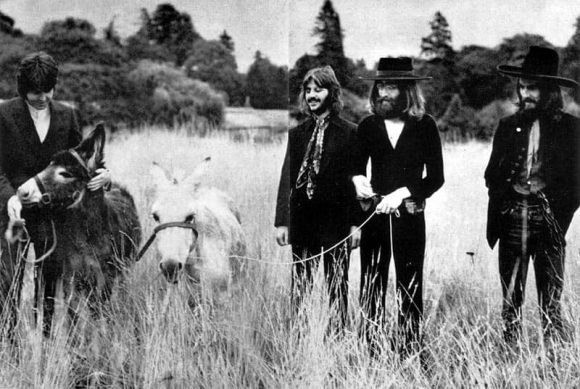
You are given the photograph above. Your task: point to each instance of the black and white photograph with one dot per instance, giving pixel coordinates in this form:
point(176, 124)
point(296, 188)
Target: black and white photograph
point(289, 194)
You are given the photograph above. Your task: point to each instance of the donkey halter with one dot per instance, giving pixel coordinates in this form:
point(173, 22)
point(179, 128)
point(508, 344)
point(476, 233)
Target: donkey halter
point(46, 198)
point(162, 227)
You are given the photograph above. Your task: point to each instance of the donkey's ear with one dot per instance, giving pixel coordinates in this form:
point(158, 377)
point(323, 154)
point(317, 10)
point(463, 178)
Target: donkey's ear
point(92, 147)
point(161, 177)
point(195, 178)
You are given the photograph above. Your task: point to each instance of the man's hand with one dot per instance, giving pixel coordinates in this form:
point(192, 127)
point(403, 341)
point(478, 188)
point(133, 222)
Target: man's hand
point(393, 200)
point(14, 208)
point(101, 180)
point(355, 237)
point(363, 187)
point(282, 235)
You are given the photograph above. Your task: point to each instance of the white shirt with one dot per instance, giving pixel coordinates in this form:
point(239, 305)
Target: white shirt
point(41, 119)
point(394, 129)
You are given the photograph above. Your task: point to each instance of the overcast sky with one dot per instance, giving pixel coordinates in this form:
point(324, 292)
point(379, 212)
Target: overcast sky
point(282, 29)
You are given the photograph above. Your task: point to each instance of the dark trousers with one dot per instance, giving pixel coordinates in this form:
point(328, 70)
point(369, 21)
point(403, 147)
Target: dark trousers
point(528, 231)
point(11, 278)
point(408, 243)
point(336, 264)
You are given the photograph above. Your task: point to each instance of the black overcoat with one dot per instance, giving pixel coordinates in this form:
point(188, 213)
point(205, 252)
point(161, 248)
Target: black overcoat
point(327, 217)
point(22, 155)
point(560, 147)
point(418, 149)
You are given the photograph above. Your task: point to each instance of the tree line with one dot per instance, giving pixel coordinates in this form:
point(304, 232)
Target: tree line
point(165, 73)
point(467, 95)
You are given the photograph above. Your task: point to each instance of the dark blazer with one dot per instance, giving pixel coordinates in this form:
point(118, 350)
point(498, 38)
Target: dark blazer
point(560, 147)
point(22, 155)
point(418, 147)
point(326, 218)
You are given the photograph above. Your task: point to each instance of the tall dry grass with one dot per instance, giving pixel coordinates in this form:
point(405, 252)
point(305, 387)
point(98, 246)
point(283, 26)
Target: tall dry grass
point(148, 336)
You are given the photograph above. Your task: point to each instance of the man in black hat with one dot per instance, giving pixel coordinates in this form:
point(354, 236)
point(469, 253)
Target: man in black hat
point(401, 141)
point(533, 180)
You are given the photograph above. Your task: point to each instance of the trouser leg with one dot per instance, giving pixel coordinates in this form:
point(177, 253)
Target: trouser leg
point(549, 270)
point(375, 256)
point(336, 264)
point(409, 249)
point(302, 275)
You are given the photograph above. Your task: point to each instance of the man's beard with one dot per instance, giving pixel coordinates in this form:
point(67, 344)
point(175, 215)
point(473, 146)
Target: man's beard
point(530, 113)
point(387, 108)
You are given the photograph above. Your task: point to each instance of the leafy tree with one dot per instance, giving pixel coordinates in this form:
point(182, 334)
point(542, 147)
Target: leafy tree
point(215, 64)
point(13, 50)
point(479, 81)
point(571, 55)
point(513, 50)
point(73, 40)
point(267, 84)
point(7, 26)
point(227, 41)
point(330, 47)
point(140, 45)
point(437, 45)
point(111, 35)
point(174, 30)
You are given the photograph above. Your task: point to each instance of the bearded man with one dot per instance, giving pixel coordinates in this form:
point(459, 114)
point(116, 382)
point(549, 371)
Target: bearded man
point(316, 207)
point(533, 180)
point(401, 141)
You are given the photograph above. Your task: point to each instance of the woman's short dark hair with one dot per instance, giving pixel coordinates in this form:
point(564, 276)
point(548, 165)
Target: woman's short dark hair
point(325, 78)
point(37, 72)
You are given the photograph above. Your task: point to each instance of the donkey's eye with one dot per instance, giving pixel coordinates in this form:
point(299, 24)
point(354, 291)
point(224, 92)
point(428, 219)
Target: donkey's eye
point(189, 218)
point(66, 174)
point(155, 217)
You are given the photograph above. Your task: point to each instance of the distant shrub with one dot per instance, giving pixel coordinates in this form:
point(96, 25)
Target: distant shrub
point(488, 117)
point(172, 98)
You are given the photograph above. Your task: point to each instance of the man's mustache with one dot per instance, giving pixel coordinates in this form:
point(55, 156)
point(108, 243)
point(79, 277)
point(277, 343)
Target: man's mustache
point(530, 101)
point(313, 99)
point(385, 99)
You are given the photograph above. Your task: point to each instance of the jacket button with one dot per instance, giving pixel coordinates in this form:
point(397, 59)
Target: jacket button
point(512, 172)
point(508, 180)
point(520, 156)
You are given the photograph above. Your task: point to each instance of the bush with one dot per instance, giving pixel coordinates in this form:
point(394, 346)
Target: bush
point(172, 98)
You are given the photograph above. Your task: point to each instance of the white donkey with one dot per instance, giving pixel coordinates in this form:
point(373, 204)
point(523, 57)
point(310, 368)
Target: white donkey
point(209, 251)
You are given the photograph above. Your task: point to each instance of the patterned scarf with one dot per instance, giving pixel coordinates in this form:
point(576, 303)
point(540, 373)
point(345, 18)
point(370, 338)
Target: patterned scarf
point(311, 162)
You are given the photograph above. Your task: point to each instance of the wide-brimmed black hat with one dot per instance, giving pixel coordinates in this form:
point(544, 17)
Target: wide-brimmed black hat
point(541, 63)
point(396, 69)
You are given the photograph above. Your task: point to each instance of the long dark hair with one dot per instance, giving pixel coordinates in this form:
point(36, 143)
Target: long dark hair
point(550, 96)
point(415, 106)
point(325, 78)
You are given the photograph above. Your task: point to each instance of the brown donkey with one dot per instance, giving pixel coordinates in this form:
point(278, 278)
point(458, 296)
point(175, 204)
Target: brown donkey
point(92, 236)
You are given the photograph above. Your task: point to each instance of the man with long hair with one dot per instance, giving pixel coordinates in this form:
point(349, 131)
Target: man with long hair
point(316, 207)
point(401, 141)
point(533, 179)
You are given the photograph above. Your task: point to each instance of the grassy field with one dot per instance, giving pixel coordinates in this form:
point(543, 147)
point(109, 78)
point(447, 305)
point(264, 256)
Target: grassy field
point(149, 338)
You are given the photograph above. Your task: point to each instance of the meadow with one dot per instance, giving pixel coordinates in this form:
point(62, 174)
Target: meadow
point(148, 337)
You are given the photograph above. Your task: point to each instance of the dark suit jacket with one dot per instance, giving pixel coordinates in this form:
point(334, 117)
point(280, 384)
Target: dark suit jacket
point(418, 147)
point(560, 147)
point(22, 155)
point(326, 218)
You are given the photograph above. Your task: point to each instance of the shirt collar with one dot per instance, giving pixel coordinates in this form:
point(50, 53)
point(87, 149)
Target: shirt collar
point(36, 113)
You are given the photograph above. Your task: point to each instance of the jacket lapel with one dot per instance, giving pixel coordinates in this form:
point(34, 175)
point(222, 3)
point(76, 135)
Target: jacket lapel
point(55, 125)
point(331, 138)
point(25, 125)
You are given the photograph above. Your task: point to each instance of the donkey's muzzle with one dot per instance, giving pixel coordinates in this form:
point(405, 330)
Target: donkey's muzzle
point(171, 269)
